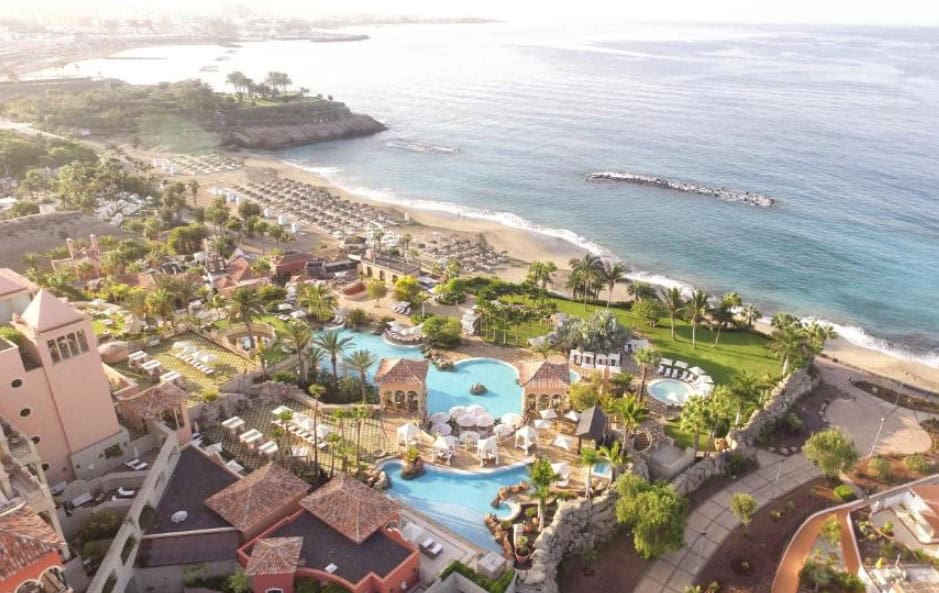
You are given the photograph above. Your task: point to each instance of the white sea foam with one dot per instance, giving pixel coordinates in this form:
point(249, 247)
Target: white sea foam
point(852, 334)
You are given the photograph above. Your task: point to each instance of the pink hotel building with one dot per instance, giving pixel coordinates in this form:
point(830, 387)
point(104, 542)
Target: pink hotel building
point(52, 384)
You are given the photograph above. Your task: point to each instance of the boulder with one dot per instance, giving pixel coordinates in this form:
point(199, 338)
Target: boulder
point(114, 352)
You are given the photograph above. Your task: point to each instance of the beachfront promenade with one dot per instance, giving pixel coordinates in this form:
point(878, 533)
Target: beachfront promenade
point(712, 520)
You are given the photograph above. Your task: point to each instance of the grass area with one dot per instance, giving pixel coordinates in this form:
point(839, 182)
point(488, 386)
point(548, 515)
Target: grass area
point(116, 327)
point(685, 439)
point(737, 351)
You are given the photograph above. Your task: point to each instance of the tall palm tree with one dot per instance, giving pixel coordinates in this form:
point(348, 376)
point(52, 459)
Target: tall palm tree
point(694, 419)
point(750, 314)
point(614, 454)
point(193, 186)
point(314, 356)
point(298, 337)
point(641, 291)
point(586, 268)
point(696, 309)
point(744, 389)
point(359, 414)
point(316, 392)
point(819, 333)
point(263, 353)
point(674, 303)
point(631, 412)
point(789, 344)
point(723, 314)
point(334, 345)
point(362, 361)
point(160, 304)
point(244, 305)
point(318, 300)
point(588, 457)
point(612, 273)
point(646, 358)
point(542, 475)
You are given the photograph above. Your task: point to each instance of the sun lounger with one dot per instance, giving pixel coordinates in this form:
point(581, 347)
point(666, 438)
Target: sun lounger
point(136, 464)
point(430, 548)
point(81, 499)
point(126, 492)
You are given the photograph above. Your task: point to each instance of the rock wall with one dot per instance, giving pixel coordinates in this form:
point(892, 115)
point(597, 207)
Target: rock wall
point(787, 392)
point(282, 136)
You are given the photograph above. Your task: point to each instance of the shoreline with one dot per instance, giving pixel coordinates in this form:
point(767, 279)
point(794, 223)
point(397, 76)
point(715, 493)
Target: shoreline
point(526, 245)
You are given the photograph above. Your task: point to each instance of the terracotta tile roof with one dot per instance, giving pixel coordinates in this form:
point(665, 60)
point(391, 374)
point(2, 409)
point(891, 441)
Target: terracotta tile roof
point(289, 259)
point(274, 555)
point(544, 375)
point(46, 312)
point(156, 400)
point(402, 370)
point(11, 282)
point(240, 270)
point(351, 508)
point(252, 501)
point(24, 539)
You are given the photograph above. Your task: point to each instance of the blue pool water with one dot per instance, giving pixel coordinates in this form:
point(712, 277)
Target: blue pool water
point(451, 388)
point(661, 388)
point(456, 500)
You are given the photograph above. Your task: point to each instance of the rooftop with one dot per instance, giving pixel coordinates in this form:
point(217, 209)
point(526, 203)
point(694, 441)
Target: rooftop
point(323, 545)
point(393, 263)
point(254, 501)
point(11, 283)
point(402, 370)
point(592, 424)
point(46, 312)
point(195, 479)
point(351, 508)
point(156, 400)
point(24, 539)
point(544, 375)
point(189, 548)
point(274, 555)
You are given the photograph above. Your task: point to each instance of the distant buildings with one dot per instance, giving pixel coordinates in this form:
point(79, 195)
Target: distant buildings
point(54, 387)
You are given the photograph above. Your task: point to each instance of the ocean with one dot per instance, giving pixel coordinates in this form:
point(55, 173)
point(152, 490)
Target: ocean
point(840, 125)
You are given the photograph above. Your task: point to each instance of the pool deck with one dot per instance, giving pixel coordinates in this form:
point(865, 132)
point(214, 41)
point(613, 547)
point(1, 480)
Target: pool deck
point(455, 547)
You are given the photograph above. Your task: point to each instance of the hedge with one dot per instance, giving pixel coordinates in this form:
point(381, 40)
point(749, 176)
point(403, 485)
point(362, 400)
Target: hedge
point(497, 586)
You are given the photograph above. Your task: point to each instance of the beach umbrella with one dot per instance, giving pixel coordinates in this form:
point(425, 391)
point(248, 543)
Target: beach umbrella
point(548, 414)
point(451, 441)
point(441, 444)
point(466, 421)
point(484, 421)
point(407, 433)
point(512, 419)
point(502, 430)
point(475, 410)
point(457, 411)
point(441, 429)
point(542, 424)
point(469, 437)
point(439, 418)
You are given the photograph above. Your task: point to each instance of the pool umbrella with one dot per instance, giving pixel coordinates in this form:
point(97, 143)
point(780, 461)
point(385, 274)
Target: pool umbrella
point(441, 444)
point(503, 430)
point(511, 419)
point(542, 424)
point(457, 411)
point(470, 437)
point(451, 441)
point(466, 421)
point(484, 421)
point(564, 442)
point(562, 469)
point(475, 410)
point(548, 414)
point(439, 418)
point(441, 429)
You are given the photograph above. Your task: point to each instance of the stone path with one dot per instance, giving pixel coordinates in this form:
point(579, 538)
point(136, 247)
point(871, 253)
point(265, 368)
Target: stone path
point(712, 520)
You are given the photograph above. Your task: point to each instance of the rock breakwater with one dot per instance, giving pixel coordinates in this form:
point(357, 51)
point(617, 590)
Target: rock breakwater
point(727, 195)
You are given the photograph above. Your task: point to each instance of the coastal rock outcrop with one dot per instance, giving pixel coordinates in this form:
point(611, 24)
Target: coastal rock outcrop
point(727, 195)
point(282, 136)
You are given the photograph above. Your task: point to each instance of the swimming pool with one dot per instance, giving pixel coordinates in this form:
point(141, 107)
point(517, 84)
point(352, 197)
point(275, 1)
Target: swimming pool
point(670, 391)
point(454, 499)
point(452, 388)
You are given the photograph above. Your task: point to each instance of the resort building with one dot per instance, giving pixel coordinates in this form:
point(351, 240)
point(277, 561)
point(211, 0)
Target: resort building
point(238, 273)
point(55, 389)
point(164, 403)
point(917, 508)
point(285, 266)
point(402, 385)
point(346, 533)
point(544, 384)
point(83, 262)
point(386, 268)
point(30, 553)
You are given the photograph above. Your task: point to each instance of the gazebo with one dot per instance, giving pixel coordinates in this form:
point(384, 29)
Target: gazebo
point(544, 384)
point(593, 425)
point(408, 434)
point(525, 437)
point(402, 384)
point(487, 449)
point(163, 403)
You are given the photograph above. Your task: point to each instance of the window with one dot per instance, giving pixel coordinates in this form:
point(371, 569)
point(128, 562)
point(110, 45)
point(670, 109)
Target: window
point(36, 439)
point(45, 467)
point(82, 340)
point(63, 348)
point(25, 412)
point(53, 351)
point(72, 344)
point(16, 383)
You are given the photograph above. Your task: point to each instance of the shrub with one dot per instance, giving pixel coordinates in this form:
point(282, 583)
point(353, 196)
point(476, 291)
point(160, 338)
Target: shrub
point(113, 451)
point(100, 525)
point(743, 506)
point(357, 319)
point(831, 450)
point(916, 464)
point(307, 586)
point(497, 586)
point(443, 332)
point(209, 395)
point(844, 493)
point(654, 513)
point(793, 423)
point(887, 529)
point(736, 464)
point(831, 530)
point(284, 377)
point(880, 468)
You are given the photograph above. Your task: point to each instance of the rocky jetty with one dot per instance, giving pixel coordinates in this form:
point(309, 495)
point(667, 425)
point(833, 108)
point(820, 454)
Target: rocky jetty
point(727, 195)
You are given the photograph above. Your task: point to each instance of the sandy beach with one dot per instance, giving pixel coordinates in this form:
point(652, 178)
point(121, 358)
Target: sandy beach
point(522, 246)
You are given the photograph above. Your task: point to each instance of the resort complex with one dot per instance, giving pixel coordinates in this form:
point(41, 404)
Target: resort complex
point(221, 374)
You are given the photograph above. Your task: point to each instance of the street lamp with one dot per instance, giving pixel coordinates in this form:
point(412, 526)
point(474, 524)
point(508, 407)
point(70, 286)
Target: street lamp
point(883, 419)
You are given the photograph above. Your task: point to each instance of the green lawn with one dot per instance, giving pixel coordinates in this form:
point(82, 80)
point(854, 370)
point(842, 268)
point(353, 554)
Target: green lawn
point(737, 350)
point(684, 439)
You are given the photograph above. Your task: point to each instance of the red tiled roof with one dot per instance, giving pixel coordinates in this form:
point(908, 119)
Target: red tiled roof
point(289, 259)
point(274, 555)
point(544, 375)
point(156, 400)
point(402, 370)
point(240, 270)
point(351, 508)
point(24, 539)
point(253, 500)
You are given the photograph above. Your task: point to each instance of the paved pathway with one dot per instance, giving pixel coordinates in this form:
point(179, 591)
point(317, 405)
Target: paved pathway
point(712, 520)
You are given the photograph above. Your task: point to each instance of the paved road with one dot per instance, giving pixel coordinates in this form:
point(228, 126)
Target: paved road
point(712, 520)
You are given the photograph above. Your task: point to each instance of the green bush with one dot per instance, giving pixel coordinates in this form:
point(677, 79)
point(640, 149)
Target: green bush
point(916, 464)
point(113, 451)
point(844, 493)
point(497, 586)
point(357, 319)
point(100, 525)
point(737, 464)
point(284, 377)
point(793, 423)
point(879, 468)
point(443, 332)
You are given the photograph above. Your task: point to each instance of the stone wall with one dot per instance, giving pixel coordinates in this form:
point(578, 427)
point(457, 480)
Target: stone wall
point(787, 392)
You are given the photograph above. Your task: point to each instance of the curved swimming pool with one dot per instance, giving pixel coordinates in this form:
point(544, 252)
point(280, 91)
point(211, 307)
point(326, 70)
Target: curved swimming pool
point(446, 389)
point(670, 391)
point(455, 499)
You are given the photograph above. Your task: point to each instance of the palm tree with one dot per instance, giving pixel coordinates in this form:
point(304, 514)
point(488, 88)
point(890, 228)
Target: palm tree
point(646, 358)
point(588, 457)
point(314, 356)
point(744, 389)
point(245, 305)
point(297, 337)
point(723, 314)
point(318, 300)
point(750, 314)
point(542, 475)
point(586, 269)
point(263, 353)
point(631, 412)
point(193, 189)
point(696, 309)
point(543, 348)
point(789, 344)
point(360, 414)
point(362, 361)
point(694, 419)
point(621, 382)
point(612, 273)
point(160, 304)
point(334, 345)
point(674, 303)
point(819, 333)
point(614, 454)
point(641, 291)
point(316, 392)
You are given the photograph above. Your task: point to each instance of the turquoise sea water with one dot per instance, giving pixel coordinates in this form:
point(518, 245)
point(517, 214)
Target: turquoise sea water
point(504, 122)
point(446, 389)
point(456, 500)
